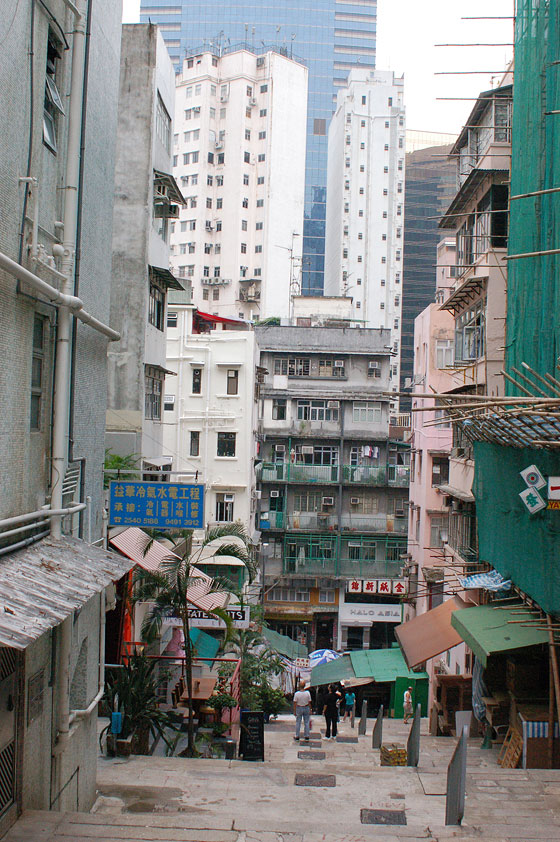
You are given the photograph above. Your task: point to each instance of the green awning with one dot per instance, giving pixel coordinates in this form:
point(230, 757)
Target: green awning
point(338, 670)
point(489, 630)
point(284, 645)
point(205, 645)
point(382, 665)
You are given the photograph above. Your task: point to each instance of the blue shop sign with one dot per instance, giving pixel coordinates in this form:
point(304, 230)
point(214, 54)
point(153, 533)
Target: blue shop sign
point(160, 505)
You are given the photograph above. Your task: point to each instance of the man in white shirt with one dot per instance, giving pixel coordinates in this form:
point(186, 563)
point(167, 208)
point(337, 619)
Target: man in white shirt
point(302, 710)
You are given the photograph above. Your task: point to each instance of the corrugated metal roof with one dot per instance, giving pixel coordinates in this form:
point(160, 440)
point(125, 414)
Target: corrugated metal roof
point(44, 583)
point(133, 542)
point(383, 665)
point(340, 669)
point(284, 645)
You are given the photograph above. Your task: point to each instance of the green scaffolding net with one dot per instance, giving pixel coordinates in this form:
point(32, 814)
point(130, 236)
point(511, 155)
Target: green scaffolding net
point(533, 306)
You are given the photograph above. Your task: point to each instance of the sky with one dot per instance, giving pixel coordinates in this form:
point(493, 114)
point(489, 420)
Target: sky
point(407, 32)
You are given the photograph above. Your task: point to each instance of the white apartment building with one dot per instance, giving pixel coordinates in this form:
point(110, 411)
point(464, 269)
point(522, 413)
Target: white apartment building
point(239, 158)
point(210, 407)
point(365, 202)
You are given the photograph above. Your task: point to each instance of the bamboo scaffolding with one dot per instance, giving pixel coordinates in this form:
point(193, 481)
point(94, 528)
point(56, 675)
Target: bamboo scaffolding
point(536, 375)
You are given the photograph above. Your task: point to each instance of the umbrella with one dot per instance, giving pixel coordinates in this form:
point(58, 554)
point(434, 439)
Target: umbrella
point(322, 656)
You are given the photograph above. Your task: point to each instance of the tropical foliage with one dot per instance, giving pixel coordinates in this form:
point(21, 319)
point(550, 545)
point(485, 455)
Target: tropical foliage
point(120, 467)
point(166, 589)
point(132, 689)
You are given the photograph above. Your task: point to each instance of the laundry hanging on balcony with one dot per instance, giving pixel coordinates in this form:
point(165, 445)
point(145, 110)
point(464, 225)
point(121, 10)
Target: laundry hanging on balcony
point(491, 581)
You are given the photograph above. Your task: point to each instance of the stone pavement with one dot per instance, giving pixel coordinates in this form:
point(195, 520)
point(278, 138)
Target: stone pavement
point(172, 799)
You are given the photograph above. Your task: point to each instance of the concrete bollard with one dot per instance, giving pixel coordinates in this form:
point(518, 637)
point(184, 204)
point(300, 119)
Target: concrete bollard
point(353, 715)
point(362, 726)
point(377, 734)
point(230, 750)
point(457, 782)
point(413, 744)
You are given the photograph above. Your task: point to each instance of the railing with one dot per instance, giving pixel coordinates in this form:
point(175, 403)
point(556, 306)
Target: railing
point(368, 569)
point(373, 523)
point(397, 476)
point(275, 520)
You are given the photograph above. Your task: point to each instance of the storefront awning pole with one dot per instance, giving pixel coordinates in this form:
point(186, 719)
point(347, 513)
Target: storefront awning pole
point(554, 665)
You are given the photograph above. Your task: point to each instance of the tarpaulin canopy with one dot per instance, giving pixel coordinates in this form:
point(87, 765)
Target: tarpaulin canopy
point(429, 634)
point(490, 630)
point(382, 665)
point(339, 670)
point(283, 644)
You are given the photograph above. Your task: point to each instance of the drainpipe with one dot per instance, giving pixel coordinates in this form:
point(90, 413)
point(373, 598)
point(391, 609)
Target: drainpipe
point(62, 369)
point(83, 714)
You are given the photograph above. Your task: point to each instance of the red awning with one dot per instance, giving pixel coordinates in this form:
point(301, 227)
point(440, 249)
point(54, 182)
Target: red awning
point(429, 634)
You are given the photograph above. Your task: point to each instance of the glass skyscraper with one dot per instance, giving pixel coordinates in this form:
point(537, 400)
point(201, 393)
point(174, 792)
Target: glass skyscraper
point(329, 36)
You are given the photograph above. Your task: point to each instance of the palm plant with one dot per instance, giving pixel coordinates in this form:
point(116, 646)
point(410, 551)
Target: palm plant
point(167, 590)
point(120, 467)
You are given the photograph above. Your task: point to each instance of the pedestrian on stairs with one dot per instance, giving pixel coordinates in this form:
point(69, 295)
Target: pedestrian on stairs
point(302, 710)
point(407, 704)
point(330, 712)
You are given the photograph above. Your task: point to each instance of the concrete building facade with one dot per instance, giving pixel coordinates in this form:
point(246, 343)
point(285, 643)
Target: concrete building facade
point(210, 409)
point(56, 170)
point(333, 486)
point(365, 202)
point(239, 156)
point(146, 198)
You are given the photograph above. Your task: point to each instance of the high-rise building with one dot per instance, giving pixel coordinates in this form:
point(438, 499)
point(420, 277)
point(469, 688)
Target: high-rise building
point(330, 36)
point(239, 158)
point(430, 184)
point(365, 202)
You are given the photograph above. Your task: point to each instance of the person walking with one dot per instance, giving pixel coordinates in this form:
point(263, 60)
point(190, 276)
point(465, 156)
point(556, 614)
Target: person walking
point(349, 702)
point(407, 704)
point(302, 710)
point(330, 712)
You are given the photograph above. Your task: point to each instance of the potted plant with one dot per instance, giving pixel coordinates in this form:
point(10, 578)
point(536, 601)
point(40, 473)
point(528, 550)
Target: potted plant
point(132, 689)
point(271, 700)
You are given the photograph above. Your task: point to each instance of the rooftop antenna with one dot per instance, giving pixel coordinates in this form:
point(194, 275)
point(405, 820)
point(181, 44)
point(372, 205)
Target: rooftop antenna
point(292, 44)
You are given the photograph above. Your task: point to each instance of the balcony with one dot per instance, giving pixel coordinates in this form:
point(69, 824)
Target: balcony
point(396, 476)
point(366, 569)
point(273, 520)
point(339, 556)
point(315, 521)
point(374, 523)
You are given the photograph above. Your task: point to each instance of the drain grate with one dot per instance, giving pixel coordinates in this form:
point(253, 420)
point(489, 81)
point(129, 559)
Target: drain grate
point(311, 755)
point(347, 739)
point(382, 816)
point(315, 780)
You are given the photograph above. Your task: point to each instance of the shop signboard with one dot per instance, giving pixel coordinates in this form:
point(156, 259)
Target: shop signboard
point(200, 620)
point(362, 614)
point(159, 505)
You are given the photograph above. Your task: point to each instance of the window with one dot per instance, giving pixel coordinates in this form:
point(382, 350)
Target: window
point(248, 112)
point(249, 90)
point(224, 508)
point(206, 271)
point(218, 225)
point(261, 157)
point(438, 525)
point(221, 158)
point(233, 381)
point(319, 127)
point(222, 113)
point(262, 135)
point(213, 90)
point(197, 90)
point(364, 100)
point(368, 411)
point(171, 319)
point(219, 204)
point(168, 403)
point(188, 114)
point(259, 226)
point(216, 271)
point(470, 332)
point(385, 169)
point(205, 295)
point(226, 444)
point(53, 108)
point(264, 89)
point(327, 595)
point(217, 248)
point(243, 224)
point(212, 113)
point(245, 179)
point(243, 248)
point(262, 112)
point(260, 203)
point(245, 203)
point(288, 595)
point(197, 381)
point(440, 470)
point(257, 272)
point(279, 409)
point(317, 410)
point(37, 368)
point(295, 367)
point(444, 353)
point(188, 92)
point(331, 368)
point(215, 294)
point(390, 101)
point(207, 248)
point(156, 307)
point(219, 181)
point(153, 383)
point(247, 135)
point(208, 203)
point(258, 249)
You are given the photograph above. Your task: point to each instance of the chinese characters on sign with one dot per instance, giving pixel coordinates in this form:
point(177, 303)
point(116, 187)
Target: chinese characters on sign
point(161, 505)
point(381, 586)
point(532, 500)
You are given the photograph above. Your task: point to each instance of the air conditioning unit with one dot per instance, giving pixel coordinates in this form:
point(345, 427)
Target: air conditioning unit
point(307, 450)
point(219, 144)
point(275, 493)
point(328, 501)
point(373, 365)
point(253, 100)
point(280, 448)
point(258, 494)
point(209, 226)
point(228, 498)
point(332, 404)
point(399, 513)
point(339, 363)
point(224, 97)
point(354, 501)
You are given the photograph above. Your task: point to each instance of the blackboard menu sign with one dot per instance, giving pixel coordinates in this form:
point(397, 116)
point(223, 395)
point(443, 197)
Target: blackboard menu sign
point(251, 741)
